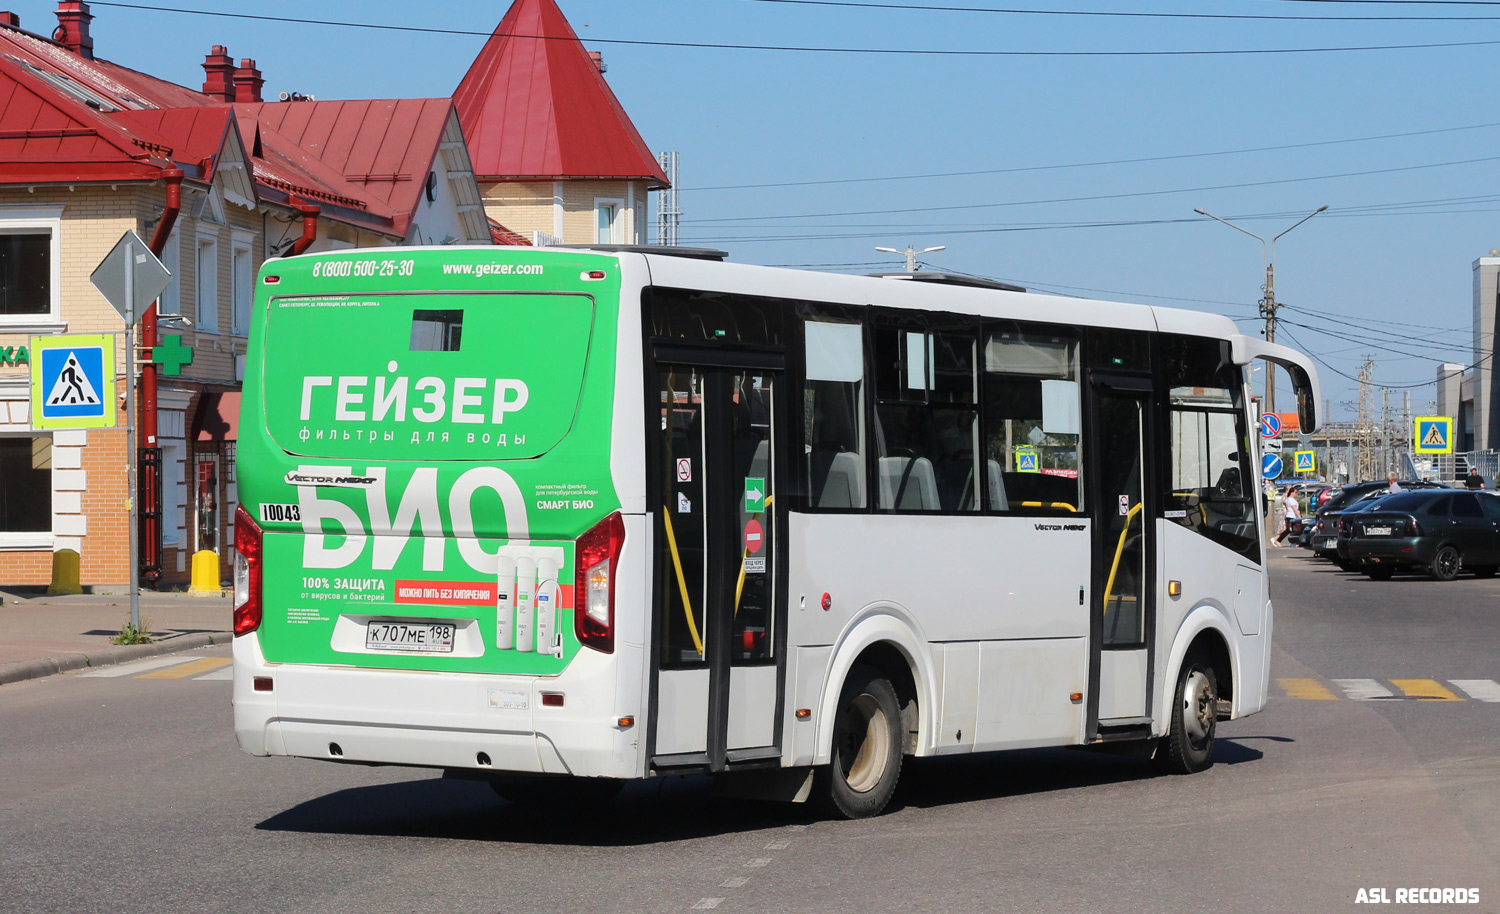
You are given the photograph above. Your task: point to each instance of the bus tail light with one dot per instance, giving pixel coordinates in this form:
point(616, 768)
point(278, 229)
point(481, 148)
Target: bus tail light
point(596, 561)
point(247, 571)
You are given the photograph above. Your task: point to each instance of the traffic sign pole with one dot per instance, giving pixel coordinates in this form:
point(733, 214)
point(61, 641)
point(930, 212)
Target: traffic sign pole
point(130, 444)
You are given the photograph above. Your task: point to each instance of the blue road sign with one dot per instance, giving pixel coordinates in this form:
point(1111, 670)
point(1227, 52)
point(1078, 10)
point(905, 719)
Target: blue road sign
point(1270, 466)
point(1270, 425)
point(1026, 462)
point(73, 381)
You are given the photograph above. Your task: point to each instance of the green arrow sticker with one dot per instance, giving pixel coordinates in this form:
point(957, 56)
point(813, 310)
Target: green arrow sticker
point(755, 494)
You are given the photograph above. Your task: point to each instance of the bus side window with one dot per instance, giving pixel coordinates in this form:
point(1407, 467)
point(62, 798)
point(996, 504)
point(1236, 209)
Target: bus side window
point(927, 427)
point(1032, 420)
point(1209, 483)
point(833, 408)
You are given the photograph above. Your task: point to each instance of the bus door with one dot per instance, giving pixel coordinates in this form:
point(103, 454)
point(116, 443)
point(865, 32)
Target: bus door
point(1122, 615)
point(718, 588)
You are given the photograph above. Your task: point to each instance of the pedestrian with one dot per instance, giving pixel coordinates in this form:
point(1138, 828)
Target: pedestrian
point(1475, 481)
point(1391, 485)
point(1289, 513)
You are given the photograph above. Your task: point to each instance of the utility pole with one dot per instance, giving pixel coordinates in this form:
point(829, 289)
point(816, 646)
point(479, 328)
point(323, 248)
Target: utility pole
point(1364, 462)
point(668, 214)
point(1268, 297)
point(912, 254)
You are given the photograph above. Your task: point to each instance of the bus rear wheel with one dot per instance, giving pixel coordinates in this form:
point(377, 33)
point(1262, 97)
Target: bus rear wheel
point(865, 761)
point(1188, 746)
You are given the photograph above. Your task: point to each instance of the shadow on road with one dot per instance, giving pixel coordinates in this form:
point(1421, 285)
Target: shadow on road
point(684, 808)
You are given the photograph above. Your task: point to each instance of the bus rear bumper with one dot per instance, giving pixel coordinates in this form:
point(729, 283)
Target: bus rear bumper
point(437, 720)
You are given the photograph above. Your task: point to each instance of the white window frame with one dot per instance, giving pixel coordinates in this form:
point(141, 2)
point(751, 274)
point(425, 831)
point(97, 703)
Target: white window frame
point(616, 222)
point(243, 286)
point(170, 301)
point(34, 220)
point(206, 282)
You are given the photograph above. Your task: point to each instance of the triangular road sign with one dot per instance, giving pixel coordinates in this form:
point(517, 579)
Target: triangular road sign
point(72, 387)
point(1434, 436)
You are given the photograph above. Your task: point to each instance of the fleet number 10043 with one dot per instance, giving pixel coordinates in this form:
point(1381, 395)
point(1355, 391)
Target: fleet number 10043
point(341, 268)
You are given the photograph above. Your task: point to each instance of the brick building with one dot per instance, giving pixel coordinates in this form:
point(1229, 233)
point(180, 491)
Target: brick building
point(90, 149)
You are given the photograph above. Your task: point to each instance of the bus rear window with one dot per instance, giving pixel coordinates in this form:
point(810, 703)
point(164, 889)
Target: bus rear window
point(432, 376)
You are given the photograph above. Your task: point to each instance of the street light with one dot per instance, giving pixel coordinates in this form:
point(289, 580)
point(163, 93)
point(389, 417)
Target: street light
point(911, 255)
point(1267, 303)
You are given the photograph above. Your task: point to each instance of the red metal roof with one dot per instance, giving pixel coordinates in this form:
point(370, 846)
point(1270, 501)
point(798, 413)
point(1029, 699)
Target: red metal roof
point(502, 235)
point(534, 105)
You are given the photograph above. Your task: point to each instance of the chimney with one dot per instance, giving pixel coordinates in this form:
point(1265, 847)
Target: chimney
point(247, 81)
point(10, 19)
point(598, 58)
point(218, 69)
point(73, 18)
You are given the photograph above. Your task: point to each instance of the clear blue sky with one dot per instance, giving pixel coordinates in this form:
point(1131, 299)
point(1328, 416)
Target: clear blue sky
point(747, 117)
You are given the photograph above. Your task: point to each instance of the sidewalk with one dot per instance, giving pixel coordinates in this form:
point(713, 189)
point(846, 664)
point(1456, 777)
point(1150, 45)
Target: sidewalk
point(41, 635)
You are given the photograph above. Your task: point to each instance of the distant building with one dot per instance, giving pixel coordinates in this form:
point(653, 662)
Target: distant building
point(557, 158)
point(1472, 397)
point(88, 149)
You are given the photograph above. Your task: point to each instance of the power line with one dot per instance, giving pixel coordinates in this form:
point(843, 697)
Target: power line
point(1096, 197)
point(1135, 161)
point(901, 52)
point(1129, 15)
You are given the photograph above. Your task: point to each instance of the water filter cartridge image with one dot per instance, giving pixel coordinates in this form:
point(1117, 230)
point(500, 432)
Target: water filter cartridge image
point(525, 604)
point(546, 605)
point(505, 603)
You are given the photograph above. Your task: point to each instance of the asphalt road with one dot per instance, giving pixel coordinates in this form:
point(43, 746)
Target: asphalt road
point(127, 794)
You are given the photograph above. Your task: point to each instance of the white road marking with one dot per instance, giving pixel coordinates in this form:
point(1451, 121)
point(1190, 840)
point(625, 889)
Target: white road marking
point(704, 904)
point(778, 845)
point(138, 666)
point(223, 674)
point(734, 882)
point(1363, 689)
point(1479, 689)
point(759, 861)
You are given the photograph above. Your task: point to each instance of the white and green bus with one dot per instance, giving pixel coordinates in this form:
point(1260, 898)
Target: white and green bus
point(559, 518)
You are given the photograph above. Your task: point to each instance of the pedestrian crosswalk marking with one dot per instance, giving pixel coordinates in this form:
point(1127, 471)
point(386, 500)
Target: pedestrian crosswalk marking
point(1424, 690)
point(1306, 690)
point(1479, 689)
point(191, 668)
point(1309, 689)
point(1363, 689)
point(132, 668)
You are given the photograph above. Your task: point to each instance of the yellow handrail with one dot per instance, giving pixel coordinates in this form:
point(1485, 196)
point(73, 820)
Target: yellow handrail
point(687, 604)
point(1109, 587)
point(1048, 504)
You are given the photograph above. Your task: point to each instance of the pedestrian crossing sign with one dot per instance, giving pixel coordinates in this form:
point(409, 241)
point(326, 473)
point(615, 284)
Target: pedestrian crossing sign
point(73, 381)
point(1026, 460)
point(1433, 435)
point(1307, 461)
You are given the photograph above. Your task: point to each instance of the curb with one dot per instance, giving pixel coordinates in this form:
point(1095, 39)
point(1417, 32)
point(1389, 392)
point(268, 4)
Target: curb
point(108, 656)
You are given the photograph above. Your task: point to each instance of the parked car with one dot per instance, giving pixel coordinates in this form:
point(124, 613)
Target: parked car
point(1323, 531)
point(1438, 532)
point(1345, 522)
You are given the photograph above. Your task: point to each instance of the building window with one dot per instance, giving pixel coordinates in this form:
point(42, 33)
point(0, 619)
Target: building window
point(171, 257)
point(609, 221)
point(243, 277)
point(25, 485)
point(208, 285)
point(29, 260)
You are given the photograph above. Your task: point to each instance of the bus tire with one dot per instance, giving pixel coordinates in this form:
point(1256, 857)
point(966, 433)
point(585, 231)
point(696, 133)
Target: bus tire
point(1188, 746)
point(865, 758)
point(557, 792)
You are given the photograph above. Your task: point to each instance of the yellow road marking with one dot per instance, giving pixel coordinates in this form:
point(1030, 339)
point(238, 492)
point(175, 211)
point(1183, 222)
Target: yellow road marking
point(1424, 689)
point(1306, 690)
point(191, 668)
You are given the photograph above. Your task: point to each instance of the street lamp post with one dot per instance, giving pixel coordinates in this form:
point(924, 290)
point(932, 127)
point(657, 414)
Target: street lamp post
point(1268, 302)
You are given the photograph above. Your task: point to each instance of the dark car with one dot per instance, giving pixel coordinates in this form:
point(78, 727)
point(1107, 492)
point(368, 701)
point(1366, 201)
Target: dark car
point(1344, 521)
point(1322, 529)
point(1438, 532)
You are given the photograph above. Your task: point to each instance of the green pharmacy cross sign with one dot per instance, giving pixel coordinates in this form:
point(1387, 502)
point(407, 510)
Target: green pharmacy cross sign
point(171, 355)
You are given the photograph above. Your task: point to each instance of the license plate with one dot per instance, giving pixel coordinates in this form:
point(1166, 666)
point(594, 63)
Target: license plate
point(416, 637)
point(1377, 531)
point(1330, 542)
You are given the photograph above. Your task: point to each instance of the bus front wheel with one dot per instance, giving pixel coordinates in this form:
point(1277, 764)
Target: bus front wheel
point(1188, 746)
point(865, 761)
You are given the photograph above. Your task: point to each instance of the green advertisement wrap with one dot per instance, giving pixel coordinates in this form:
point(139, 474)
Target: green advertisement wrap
point(424, 434)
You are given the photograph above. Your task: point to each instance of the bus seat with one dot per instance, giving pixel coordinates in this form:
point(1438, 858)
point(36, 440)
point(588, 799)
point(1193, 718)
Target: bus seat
point(998, 501)
point(844, 485)
point(920, 493)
